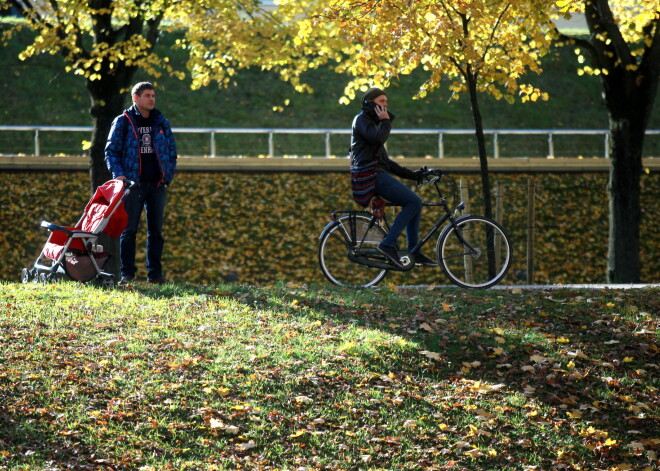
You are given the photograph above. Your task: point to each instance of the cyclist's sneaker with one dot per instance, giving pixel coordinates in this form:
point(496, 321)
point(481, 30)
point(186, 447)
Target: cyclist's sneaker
point(391, 253)
point(423, 260)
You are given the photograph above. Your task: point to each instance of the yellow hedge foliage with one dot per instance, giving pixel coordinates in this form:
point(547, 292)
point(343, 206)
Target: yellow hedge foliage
point(261, 228)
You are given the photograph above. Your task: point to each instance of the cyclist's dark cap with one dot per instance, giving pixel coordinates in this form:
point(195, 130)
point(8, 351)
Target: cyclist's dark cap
point(372, 94)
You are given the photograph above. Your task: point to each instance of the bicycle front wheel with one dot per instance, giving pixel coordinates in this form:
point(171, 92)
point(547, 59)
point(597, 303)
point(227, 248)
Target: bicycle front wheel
point(475, 252)
point(333, 253)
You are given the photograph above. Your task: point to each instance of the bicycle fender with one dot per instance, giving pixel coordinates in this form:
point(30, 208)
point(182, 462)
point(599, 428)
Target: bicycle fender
point(327, 228)
point(334, 222)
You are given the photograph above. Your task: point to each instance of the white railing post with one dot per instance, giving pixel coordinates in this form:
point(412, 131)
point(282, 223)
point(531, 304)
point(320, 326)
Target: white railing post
point(212, 144)
point(271, 145)
point(607, 145)
point(441, 146)
point(551, 146)
point(36, 143)
point(327, 145)
point(496, 147)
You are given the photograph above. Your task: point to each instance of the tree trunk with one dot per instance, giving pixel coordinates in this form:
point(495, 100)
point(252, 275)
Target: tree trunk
point(481, 144)
point(483, 160)
point(629, 90)
point(107, 103)
point(626, 143)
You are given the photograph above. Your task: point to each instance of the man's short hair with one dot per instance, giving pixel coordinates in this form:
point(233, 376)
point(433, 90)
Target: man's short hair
point(138, 88)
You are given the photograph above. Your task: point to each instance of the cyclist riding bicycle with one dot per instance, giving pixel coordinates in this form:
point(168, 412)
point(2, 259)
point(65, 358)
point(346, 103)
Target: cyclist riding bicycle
point(370, 175)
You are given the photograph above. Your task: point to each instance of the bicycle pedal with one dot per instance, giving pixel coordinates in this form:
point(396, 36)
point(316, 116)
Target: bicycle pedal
point(406, 259)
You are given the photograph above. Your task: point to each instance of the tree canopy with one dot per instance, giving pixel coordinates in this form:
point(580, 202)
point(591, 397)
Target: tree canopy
point(107, 41)
point(473, 46)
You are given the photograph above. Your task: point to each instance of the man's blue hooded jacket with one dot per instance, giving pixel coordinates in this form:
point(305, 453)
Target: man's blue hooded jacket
point(122, 150)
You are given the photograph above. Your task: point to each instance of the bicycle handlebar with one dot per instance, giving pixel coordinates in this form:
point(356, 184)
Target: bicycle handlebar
point(430, 172)
point(434, 172)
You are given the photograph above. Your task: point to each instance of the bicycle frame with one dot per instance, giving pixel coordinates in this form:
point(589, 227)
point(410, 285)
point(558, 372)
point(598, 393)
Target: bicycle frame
point(446, 217)
point(357, 246)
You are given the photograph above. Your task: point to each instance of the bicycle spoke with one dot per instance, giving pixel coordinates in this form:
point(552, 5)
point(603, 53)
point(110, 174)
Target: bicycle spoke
point(342, 238)
point(333, 253)
point(478, 255)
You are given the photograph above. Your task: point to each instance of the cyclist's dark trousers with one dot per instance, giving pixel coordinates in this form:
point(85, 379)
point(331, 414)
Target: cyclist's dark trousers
point(396, 192)
point(152, 197)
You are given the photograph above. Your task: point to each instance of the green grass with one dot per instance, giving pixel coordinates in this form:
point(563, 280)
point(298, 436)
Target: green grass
point(575, 103)
point(292, 376)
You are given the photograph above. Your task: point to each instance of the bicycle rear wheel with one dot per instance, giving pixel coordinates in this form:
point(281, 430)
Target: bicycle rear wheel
point(333, 253)
point(476, 253)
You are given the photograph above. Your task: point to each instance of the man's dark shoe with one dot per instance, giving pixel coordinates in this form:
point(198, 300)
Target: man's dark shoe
point(390, 253)
point(125, 280)
point(423, 260)
point(158, 281)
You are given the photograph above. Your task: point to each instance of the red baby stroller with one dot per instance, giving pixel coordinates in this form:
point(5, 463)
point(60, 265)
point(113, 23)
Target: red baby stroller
point(74, 252)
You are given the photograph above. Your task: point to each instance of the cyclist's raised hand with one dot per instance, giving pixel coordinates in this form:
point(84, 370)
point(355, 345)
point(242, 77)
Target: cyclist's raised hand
point(381, 112)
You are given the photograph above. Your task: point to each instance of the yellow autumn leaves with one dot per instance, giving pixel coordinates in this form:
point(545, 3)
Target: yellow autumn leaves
point(373, 42)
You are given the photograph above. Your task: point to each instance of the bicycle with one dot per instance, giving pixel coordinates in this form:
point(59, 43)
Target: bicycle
point(473, 251)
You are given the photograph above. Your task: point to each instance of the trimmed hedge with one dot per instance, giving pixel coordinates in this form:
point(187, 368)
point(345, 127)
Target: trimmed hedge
point(261, 228)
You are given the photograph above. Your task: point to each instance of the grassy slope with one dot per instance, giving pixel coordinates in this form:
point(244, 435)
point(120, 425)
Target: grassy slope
point(575, 101)
point(575, 104)
point(302, 377)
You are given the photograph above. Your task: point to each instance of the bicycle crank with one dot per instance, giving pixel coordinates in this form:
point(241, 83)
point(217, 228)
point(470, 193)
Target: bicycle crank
point(373, 258)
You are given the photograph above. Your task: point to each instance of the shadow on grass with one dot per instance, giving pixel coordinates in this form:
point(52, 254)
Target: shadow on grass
point(589, 358)
point(582, 357)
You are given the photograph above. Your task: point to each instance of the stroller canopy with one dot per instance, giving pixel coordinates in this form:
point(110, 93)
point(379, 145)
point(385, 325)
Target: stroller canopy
point(105, 211)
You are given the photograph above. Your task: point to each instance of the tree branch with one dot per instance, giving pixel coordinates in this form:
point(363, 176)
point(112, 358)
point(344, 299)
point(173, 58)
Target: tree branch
point(447, 10)
point(648, 73)
point(153, 26)
point(601, 20)
point(581, 43)
point(102, 22)
point(651, 58)
point(492, 33)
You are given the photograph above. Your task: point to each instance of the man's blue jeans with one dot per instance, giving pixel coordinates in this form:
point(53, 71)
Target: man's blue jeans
point(152, 197)
point(396, 192)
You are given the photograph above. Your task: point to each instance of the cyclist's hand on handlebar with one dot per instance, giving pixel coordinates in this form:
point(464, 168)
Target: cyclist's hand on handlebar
point(420, 175)
point(424, 174)
point(432, 172)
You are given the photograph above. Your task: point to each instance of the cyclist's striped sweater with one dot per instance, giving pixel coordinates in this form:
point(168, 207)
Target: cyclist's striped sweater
point(363, 182)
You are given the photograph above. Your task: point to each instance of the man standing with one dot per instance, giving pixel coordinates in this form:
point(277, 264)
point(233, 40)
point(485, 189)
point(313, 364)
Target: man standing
point(141, 148)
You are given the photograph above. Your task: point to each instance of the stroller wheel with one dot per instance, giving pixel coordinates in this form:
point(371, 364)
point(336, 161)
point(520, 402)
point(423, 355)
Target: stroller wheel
point(26, 275)
point(44, 278)
point(107, 282)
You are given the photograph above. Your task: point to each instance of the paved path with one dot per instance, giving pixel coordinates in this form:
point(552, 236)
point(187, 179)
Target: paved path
point(583, 286)
point(594, 286)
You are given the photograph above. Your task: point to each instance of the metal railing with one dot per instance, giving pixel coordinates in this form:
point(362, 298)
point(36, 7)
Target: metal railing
point(272, 132)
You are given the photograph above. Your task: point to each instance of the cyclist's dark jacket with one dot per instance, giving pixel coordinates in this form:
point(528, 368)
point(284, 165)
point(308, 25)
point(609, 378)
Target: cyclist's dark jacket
point(369, 156)
point(122, 150)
